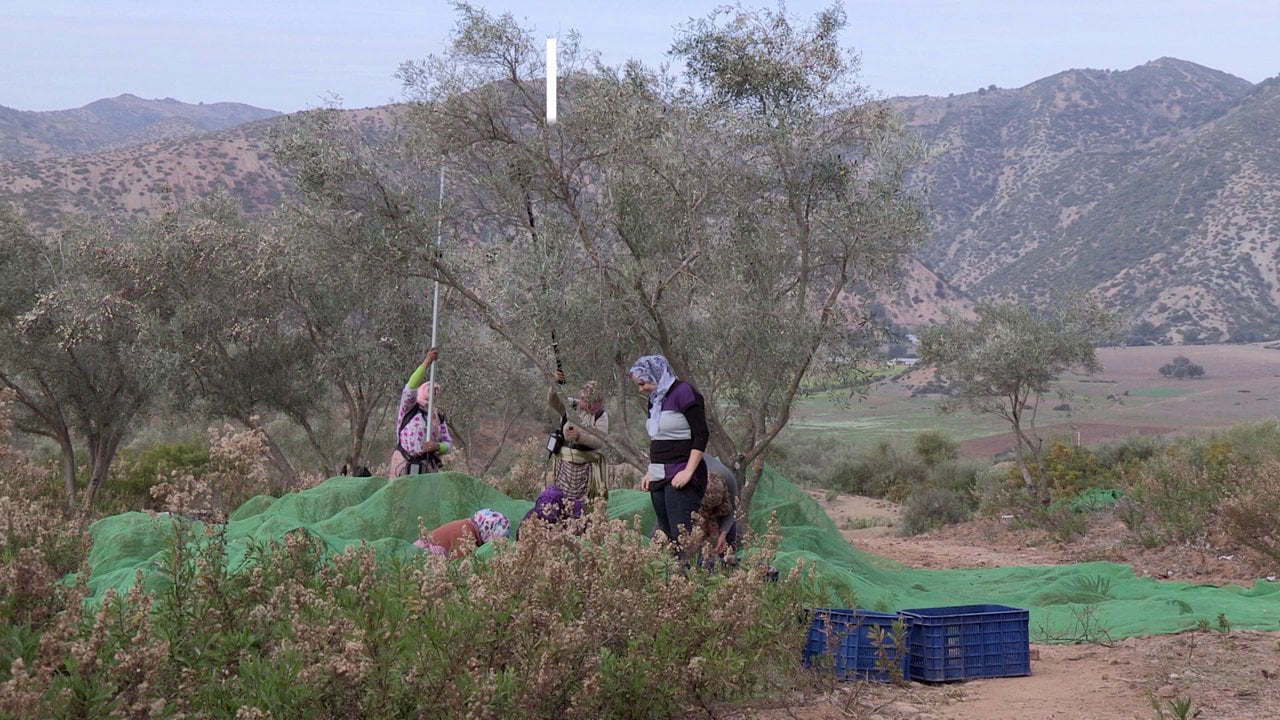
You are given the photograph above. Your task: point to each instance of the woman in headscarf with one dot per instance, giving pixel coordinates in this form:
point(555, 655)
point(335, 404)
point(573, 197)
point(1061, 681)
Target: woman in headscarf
point(553, 507)
point(462, 536)
point(420, 444)
point(581, 469)
point(678, 434)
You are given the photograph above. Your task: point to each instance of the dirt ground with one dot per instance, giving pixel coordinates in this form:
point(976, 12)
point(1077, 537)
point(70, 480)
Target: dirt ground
point(1233, 674)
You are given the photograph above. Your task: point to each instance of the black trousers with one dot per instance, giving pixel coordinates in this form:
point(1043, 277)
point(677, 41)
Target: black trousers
point(674, 507)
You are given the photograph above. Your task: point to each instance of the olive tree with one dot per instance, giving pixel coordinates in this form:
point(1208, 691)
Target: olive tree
point(70, 343)
point(362, 325)
point(1003, 363)
point(724, 217)
point(206, 278)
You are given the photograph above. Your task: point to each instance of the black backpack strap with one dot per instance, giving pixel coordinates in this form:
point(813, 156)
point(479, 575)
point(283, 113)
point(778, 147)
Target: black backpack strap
point(409, 415)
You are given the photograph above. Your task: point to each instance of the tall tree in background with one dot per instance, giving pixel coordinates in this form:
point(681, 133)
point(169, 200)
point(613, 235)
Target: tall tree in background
point(1004, 362)
point(71, 347)
point(359, 321)
point(206, 279)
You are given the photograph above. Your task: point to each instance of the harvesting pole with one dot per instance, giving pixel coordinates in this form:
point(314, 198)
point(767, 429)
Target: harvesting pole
point(551, 81)
point(435, 306)
point(552, 70)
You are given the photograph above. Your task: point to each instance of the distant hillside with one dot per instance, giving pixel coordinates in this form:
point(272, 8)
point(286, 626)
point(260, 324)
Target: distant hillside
point(114, 122)
point(141, 178)
point(138, 179)
point(1155, 186)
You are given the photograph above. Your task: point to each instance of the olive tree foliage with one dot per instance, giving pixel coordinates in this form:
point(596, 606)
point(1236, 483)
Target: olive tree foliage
point(71, 347)
point(489, 395)
point(1004, 362)
point(364, 218)
point(719, 218)
point(205, 277)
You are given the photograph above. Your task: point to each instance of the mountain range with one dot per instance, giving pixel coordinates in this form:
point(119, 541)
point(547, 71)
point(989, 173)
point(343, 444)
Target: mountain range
point(1156, 187)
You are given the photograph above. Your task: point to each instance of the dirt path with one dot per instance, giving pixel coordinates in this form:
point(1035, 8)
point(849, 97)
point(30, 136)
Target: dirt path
point(1223, 674)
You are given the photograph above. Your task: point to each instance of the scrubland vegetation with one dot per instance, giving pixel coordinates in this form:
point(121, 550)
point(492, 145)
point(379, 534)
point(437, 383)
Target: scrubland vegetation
point(1207, 490)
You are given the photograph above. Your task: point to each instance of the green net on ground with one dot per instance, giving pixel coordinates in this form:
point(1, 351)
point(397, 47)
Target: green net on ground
point(1067, 602)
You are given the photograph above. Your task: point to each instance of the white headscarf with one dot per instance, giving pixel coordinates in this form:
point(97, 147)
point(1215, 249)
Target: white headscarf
point(654, 369)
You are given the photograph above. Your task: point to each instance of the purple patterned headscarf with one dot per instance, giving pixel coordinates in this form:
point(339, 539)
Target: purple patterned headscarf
point(490, 524)
point(553, 506)
point(654, 369)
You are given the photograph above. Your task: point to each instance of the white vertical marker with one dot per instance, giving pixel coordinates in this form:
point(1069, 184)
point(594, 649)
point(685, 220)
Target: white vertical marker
point(551, 81)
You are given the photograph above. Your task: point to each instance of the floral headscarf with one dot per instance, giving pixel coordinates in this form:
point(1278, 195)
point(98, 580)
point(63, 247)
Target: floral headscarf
point(424, 399)
point(654, 369)
point(424, 392)
point(490, 525)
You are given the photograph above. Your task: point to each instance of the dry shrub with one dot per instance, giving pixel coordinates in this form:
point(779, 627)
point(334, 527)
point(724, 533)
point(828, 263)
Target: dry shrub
point(1250, 515)
point(307, 481)
point(999, 489)
point(931, 508)
point(237, 471)
point(599, 625)
point(529, 474)
point(39, 541)
point(1172, 497)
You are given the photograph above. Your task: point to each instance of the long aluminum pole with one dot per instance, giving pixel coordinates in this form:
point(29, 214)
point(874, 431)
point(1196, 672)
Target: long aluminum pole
point(435, 308)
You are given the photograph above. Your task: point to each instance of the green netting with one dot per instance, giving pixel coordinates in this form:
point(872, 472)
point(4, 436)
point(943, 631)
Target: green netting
point(1095, 499)
point(346, 511)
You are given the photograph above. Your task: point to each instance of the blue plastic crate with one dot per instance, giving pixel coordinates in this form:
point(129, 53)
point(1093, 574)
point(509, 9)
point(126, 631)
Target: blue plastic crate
point(840, 641)
point(968, 641)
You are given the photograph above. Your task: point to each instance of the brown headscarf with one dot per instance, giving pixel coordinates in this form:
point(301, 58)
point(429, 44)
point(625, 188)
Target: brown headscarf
point(717, 503)
point(591, 399)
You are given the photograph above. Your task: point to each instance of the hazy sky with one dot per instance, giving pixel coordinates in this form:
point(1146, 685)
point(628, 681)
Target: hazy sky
point(293, 54)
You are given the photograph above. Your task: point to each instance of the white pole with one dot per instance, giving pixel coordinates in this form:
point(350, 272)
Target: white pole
point(435, 310)
point(551, 81)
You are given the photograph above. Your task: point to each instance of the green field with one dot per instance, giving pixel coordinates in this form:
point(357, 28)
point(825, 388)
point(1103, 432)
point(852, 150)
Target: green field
point(896, 419)
point(1241, 385)
point(1157, 392)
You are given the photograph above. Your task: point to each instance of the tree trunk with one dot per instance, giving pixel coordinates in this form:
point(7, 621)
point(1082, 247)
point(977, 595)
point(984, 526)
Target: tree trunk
point(1037, 485)
point(68, 469)
point(359, 425)
point(102, 453)
point(288, 477)
point(749, 489)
